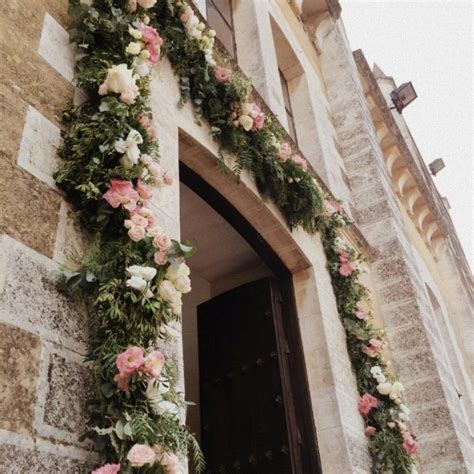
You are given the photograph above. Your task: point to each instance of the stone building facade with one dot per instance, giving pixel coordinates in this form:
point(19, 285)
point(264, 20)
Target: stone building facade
point(337, 109)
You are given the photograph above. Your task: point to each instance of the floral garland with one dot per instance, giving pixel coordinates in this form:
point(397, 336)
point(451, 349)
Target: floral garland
point(133, 275)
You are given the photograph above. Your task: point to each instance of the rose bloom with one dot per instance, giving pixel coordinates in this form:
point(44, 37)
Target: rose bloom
point(160, 258)
point(130, 361)
point(146, 3)
point(299, 160)
point(153, 42)
point(187, 14)
point(120, 80)
point(162, 242)
point(168, 460)
point(149, 127)
point(143, 190)
point(409, 443)
point(154, 363)
point(137, 233)
point(370, 431)
point(366, 403)
point(121, 193)
point(284, 153)
point(361, 314)
point(121, 381)
point(346, 269)
point(107, 469)
point(222, 74)
point(141, 454)
point(168, 178)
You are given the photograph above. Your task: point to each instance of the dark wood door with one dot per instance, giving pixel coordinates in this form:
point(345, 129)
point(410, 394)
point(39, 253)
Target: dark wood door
point(247, 421)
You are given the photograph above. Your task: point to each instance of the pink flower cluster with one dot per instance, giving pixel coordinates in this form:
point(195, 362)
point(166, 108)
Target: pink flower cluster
point(107, 469)
point(161, 178)
point(148, 126)
point(250, 118)
point(134, 199)
point(285, 153)
point(409, 443)
point(133, 360)
point(366, 403)
point(222, 74)
point(375, 347)
point(346, 267)
point(332, 207)
point(153, 42)
point(162, 244)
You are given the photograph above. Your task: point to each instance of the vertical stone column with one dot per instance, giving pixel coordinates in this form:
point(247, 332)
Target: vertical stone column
point(256, 52)
point(406, 310)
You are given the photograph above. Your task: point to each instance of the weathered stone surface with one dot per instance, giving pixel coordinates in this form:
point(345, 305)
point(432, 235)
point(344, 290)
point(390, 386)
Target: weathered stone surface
point(22, 460)
point(68, 384)
point(19, 367)
point(29, 293)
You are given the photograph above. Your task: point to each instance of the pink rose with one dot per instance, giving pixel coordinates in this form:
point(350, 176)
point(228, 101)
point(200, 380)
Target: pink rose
point(366, 403)
point(130, 361)
point(161, 258)
point(156, 170)
point(284, 153)
point(370, 431)
point(168, 178)
point(143, 190)
point(409, 443)
point(375, 347)
point(361, 314)
point(107, 469)
point(141, 454)
point(150, 128)
point(258, 122)
point(138, 219)
point(146, 3)
point(146, 159)
point(168, 460)
point(187, 14)
point(121, 193)
point(137, 233)
point(299, 160)
point(346, 269)
point(162, 242)
point(154, 363)
point(332, 207)
point(121, 381)
point(222, 74)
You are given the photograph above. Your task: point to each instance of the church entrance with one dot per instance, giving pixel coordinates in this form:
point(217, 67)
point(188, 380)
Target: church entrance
point(244, 367)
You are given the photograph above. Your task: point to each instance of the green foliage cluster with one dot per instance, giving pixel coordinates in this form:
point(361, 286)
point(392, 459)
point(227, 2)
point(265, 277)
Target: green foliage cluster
point(119, 316)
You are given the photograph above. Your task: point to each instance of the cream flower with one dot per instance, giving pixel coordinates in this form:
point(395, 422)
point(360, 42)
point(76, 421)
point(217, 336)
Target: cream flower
point(134, 48)
point(141, 454)
point(120, 80)
point(384, 388)
point(146, 3)
point(129, 148)
point(134, 33)
point(171, 295)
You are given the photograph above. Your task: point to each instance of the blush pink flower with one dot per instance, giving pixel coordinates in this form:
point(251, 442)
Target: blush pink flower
point(168, 460)
point(409, 443)
point(366, 403)
point(107, 469)
point(130, 361)
point(121, 381)
point(136, 233)
point(284, 152)
point(141, 454)
point(222, 74)
point(154, 363)
point(346, 269)
point(121, 193)
point(299, 160)
point(370, 431)
point(258, 121)
point(161, 258)
point(149, 127)
point(168, 178)
point(332, 207)
point(153, 42)
point(162, 242)
point(375, 347)
point(187, 14)
point(143, 190)
point(360, 314)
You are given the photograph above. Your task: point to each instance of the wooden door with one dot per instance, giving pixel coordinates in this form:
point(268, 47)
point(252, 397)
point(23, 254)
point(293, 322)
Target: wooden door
point(247, 418)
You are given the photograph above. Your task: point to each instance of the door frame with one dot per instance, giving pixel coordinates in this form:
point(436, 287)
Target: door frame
point(301, 427)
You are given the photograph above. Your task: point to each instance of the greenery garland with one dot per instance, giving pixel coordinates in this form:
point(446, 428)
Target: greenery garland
point(133, 275)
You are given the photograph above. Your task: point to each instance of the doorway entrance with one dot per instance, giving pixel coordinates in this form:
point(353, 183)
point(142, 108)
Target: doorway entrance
point(243, 360)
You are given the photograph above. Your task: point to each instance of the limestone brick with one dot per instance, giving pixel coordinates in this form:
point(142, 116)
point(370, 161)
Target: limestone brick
point(19, 367)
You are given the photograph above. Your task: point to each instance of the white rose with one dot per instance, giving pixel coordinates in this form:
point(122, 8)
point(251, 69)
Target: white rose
point(141, 65)
point(129, 148)
point(398, 387)
point(134, 48)
point(120, 80)
point(169, 293)
point(195, 33)
point(381, 378)
point(176, 271)
point(183, 284)
point(136, 283)
point(375, 371)
point(246, 122)
point(384, 388)
point(164, 406)
point(134, 33)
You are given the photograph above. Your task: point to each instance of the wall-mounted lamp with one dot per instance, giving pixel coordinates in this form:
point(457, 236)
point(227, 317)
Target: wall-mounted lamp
point(436, 166)
point(402, 96)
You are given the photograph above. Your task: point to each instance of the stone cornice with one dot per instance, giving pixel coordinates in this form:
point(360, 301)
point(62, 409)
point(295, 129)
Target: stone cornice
point(416, 168)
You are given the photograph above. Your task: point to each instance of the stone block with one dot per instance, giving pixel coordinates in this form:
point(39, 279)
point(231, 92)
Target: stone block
point(38, 147)
point(64, 388)
point(29, 293)
point(415, 365)
point(399, 290)
point(359, 452)
point(437, 449)
point(423, 391)
point(55, 49)
point(408, 337)
point(19, 367)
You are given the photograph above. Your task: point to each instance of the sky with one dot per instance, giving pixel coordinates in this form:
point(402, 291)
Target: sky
point(430, 43)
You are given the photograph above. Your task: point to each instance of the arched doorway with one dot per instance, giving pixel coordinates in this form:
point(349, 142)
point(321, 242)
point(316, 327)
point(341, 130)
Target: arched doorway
point(238, 278)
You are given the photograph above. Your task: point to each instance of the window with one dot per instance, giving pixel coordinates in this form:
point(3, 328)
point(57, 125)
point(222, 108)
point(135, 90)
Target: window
point(289, 112)
point(219, 17)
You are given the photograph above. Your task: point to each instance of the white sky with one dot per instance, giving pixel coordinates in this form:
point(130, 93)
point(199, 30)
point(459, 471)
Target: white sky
point(431, 44)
